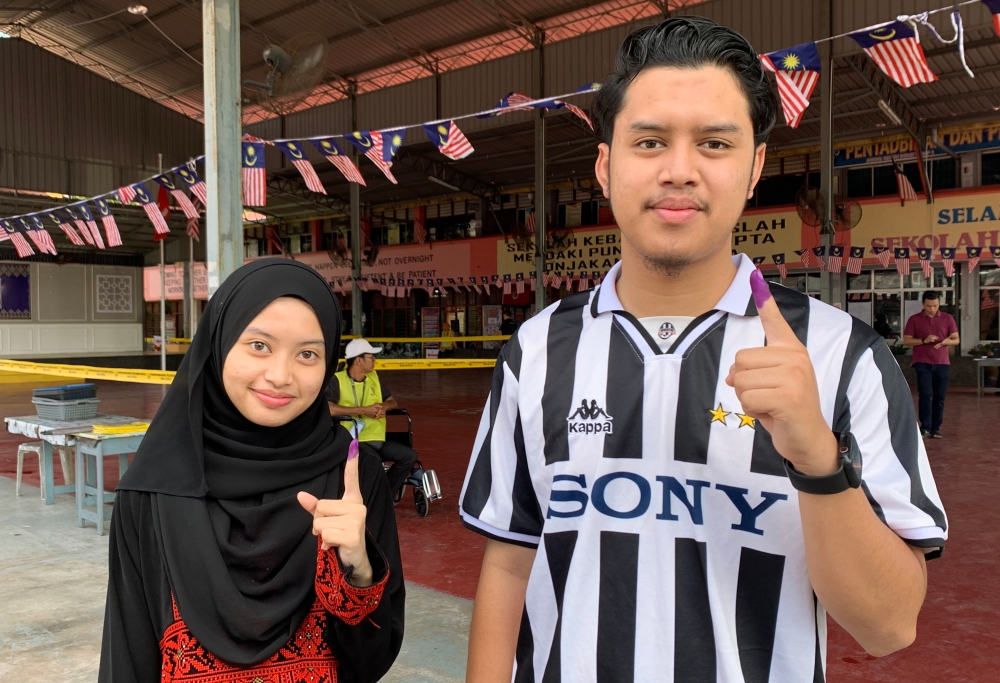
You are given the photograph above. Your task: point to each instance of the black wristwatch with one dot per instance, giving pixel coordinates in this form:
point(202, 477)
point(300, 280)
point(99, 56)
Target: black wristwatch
point(847, 477)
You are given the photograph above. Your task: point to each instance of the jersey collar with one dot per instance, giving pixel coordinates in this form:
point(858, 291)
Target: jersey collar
point(737, 299)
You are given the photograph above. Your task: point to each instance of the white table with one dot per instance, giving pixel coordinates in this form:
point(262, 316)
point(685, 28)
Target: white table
point(980, 364)
point(91, 449)
point(57, 433)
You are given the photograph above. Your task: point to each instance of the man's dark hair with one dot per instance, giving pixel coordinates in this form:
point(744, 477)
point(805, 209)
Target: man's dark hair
point(930, 295)
point(687, 43)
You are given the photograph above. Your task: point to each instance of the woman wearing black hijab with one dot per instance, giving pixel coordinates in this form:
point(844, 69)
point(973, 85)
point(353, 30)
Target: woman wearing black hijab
point(217, 573)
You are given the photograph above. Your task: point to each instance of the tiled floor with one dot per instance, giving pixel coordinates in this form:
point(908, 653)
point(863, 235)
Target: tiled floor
point(958, 639)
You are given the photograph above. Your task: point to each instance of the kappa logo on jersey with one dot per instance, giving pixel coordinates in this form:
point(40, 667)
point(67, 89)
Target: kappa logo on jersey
point(667, 330)
point(589, 419)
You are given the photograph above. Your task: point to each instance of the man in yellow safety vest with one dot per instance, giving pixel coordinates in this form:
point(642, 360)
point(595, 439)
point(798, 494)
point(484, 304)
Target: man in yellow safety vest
point(358, 393)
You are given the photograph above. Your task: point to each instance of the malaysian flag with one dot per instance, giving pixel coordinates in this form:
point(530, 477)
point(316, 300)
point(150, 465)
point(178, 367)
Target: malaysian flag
point(329, 148)
point(449, 139)
point(189, 176)
point(805, 255)
point(854, 260)
point(295, 152)
point(883, 255)
point(973, 254)
point(40, 236)
point(91, 224)
point(152, 210)
point(29, 230)
point(583, 282)
point(80, 225)
point(925, 256)
point(20, 244)
point(779, 260)
point(371, 143)
point(110, 226)
point(836, 258)
point(797, 71)
point(995, 253)
point(529, 221)
point(192, 229)
point(948, 259)
point(254, 174)
point(178, 194)
point(906, 191)
point(516, 101)
point(994, 7)
point(67, 229)
point(126, 194)
point(896, 49)
point(519, 285)
point(758, 260)
point(902, 260)
point(507, 284)
point(819, 253)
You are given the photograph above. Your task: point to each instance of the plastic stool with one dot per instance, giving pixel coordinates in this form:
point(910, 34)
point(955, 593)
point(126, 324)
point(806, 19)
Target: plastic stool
point(36, 447)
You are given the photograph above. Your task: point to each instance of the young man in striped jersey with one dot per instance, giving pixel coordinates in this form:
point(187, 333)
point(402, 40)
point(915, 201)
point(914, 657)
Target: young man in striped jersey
point(682, 471)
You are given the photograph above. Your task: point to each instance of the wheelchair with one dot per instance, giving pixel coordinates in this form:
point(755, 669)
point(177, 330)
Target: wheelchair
point(424, 483)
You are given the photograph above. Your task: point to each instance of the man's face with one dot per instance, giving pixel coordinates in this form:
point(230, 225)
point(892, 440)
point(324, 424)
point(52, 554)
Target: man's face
point(931, 306)
point(366, 362)
point(681, 166)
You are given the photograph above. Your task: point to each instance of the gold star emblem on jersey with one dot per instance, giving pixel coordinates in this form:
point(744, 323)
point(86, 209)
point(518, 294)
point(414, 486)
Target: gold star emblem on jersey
point(718, 415)
point(746, 420)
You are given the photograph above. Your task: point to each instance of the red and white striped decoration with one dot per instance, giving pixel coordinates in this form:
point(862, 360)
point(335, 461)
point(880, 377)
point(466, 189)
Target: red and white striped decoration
point(902, 260)
point(456, 145)
point(192, 229)
point(895, 48)
point(126, 194)
point(884, 255)
point(254, 187)
point(794, 90)
point(187, 206)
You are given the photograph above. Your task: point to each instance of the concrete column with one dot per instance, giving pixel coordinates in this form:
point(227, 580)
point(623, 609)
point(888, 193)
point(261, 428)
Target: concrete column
point(540, 199)
point(827, 293)
point(224, 213)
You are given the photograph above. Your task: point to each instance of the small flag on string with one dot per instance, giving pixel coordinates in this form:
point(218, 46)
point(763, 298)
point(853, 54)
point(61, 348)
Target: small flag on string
point(333, 152)
point(126, 194)
point(192, 229)
point(160, 226)
point(189, 176)
point(80, 225)
point(516, 101)
point(883, 255)
point(857, 255)
point(895, 48)
point(507, 285)
point(20, 244)
point(254, 174)
point(570, 279)
point(110, 226)
point(583, 282)
point(380, 147)
point(178, 194)
point(29, 230)
point(797, 71)
point(758, 260)
point(902, 260)
point(995, 253)
point(39, 235)
point(529, 221)
point(805, 255)
point(904, 186)
point(294, 151)
point(67, 229)
point(519, 285)
point(836, 258)
point(91, 224)
point(818, 254)
point(779, 260)
point(994, 7)
point(948, 259)
point(973, 254)
point(924, 256)
point(449, 140)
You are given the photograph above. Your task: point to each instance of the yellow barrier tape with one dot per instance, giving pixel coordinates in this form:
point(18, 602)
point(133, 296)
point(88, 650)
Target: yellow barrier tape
point(167, 376)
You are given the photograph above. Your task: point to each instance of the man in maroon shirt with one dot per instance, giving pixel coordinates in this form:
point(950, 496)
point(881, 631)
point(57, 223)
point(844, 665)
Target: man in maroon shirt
point(930, 332)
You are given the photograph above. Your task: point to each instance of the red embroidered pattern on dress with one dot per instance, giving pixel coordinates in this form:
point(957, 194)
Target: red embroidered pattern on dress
point(306, 658)
point(349, 603)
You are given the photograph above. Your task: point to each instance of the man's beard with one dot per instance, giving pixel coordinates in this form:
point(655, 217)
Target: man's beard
point(669, 265)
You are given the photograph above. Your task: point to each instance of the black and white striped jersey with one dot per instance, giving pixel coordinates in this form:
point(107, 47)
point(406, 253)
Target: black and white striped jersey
point(669, 540)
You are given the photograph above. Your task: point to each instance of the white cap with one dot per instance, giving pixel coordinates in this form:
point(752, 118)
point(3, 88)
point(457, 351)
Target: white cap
point(357, 347)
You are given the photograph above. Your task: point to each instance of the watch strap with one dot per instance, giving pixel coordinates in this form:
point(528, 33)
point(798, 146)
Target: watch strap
point(825, 485)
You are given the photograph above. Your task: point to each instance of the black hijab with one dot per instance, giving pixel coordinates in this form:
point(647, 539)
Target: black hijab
point(237, 547)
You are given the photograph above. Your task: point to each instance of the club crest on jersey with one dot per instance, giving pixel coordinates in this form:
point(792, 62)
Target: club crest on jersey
point(589, 419)
point(667, 330)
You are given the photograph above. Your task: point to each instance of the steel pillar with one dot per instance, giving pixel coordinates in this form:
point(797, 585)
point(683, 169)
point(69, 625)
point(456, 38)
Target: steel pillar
point(220, 25)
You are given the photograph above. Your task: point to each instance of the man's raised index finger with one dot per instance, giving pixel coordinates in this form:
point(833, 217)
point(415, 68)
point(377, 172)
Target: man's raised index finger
point(777, 331)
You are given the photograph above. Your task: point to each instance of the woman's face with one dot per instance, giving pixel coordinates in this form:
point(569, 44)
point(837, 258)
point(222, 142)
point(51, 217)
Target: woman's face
point(276, 368)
